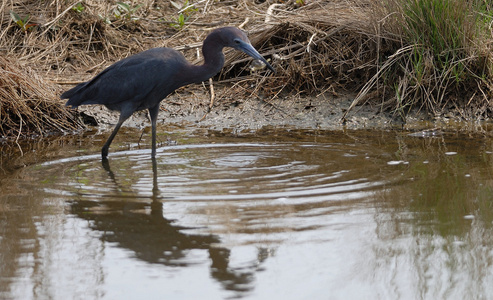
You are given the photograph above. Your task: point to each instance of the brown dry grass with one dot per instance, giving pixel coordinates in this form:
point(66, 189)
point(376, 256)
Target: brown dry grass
point(28, 105)
point(322, 46)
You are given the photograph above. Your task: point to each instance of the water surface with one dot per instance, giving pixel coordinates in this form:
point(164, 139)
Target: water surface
point(272, 214)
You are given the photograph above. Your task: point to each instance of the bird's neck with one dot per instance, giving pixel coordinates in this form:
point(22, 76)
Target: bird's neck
point(212, 50)
point(213, 59)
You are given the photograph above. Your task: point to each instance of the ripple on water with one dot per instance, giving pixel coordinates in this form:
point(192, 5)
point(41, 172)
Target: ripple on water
point(220, 172)
point(373, 217)
point(248, 183)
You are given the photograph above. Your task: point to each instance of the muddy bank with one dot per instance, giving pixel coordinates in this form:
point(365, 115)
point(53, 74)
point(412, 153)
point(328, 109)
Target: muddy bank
point(192, 107)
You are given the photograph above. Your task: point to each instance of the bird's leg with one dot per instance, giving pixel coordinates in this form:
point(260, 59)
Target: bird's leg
point(153, 113)
point(104, 150)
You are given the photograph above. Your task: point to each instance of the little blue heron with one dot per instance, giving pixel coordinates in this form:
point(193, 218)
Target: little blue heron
point(142, 80)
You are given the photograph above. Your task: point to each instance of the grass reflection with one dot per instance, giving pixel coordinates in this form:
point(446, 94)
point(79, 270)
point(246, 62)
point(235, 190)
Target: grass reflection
point(446, 186)
point(439, 224)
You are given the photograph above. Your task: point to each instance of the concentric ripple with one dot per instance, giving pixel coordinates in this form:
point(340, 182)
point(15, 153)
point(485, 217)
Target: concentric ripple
point(280, 184)
point(302, 172)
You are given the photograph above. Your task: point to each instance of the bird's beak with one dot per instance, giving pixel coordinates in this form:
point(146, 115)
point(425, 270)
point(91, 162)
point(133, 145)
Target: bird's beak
point(248, 49)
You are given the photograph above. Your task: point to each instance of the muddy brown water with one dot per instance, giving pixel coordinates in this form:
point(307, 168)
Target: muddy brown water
point(270, 214)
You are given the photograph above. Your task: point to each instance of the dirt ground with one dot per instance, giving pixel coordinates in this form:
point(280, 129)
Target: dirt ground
point(191, 106)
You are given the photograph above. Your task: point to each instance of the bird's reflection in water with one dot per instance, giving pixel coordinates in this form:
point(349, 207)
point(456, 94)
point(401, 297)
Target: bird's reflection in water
point(140, 227)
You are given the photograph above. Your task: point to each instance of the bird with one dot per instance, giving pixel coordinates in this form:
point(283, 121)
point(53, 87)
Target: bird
point(141, 81)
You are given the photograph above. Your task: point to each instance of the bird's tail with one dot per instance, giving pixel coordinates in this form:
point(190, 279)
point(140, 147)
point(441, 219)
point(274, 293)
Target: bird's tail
point(72, 95)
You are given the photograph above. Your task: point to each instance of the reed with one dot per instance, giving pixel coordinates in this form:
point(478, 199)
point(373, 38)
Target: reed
point(442, 60)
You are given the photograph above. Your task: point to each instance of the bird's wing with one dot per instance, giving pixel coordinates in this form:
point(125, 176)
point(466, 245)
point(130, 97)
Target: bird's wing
point(127, 81)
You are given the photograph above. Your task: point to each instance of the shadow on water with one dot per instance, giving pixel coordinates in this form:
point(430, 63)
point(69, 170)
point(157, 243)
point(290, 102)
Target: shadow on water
point(292, 215)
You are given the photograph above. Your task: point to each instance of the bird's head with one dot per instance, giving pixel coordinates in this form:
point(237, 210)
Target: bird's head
point(235, 38)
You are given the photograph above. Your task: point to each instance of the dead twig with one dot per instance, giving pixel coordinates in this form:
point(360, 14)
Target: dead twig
point(213, 96)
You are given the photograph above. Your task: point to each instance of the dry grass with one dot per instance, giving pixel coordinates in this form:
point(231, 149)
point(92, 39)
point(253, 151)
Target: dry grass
point(27, 104)
point(316, 47)
point(322, 46)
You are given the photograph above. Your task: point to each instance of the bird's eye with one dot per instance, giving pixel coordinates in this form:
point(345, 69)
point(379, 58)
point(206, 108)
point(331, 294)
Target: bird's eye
point(237, 42)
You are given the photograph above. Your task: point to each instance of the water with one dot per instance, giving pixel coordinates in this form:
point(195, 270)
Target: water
point(272, 214)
